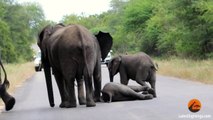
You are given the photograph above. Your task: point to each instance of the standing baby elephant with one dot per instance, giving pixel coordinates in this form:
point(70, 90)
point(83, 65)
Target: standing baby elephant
point(138, 67)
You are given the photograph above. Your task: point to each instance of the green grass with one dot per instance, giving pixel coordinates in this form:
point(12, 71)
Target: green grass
point(195, 70)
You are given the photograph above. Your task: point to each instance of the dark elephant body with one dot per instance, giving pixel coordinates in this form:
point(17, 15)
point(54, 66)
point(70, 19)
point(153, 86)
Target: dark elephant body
point(72, 52)
point(119, 92)
point(138, 67)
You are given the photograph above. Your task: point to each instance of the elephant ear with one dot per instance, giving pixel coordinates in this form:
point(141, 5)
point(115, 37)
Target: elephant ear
point(105, 43)
point(42, 34)
point(115, 63)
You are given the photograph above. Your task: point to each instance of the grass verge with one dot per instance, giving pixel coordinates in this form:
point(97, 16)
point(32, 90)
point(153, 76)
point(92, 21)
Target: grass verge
point(195, 70)
point(17, 74)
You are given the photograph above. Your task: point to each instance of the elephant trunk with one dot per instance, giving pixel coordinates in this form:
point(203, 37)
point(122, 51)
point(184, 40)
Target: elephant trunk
point(8, 100)
point(111, 77)
point(49, 84)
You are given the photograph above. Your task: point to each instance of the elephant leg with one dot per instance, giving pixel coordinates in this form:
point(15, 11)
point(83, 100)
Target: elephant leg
point(138, 88)
point(142, 75)
point(152, 82)
point(127, 93)
point(71, 91)
point(62, 89)
point(89, 90)
point(97, 81)
point(123, 76)
point(139, 96)
point(81, 97)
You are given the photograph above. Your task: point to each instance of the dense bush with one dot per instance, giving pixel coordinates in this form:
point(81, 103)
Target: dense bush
point(19, 24)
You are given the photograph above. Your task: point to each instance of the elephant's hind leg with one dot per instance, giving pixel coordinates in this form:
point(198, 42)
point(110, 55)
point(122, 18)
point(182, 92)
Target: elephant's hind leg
point(89, 90)
point(81, 98)
point(138, 88)
point(62, 89)
point(97, 82)
point(140, 96)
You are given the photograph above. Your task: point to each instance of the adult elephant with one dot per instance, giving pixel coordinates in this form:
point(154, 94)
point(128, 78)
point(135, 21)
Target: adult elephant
point(8, 100)
point(138, 67)
point(72, 52)
point(118, 92)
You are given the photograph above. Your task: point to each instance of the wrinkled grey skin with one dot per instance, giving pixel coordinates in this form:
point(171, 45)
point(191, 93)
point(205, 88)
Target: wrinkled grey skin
point(73, 53)
point(119, 92)
point(8, 100)
point(138, 67)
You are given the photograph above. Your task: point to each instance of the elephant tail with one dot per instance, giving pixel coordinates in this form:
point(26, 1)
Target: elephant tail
point(84, 51)
point(155, 67)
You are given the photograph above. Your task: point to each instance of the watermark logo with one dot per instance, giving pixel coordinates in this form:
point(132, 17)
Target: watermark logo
point(194, 105)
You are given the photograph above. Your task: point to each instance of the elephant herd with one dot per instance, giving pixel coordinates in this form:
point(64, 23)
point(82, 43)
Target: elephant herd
point(72, 53)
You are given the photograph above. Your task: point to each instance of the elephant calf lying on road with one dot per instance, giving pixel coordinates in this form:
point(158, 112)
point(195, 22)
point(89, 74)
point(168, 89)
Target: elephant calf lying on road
point(118, 92)
point(138, 67)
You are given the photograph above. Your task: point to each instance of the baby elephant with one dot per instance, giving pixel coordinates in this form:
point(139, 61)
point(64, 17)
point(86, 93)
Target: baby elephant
point(138, 67)
point(118, 92)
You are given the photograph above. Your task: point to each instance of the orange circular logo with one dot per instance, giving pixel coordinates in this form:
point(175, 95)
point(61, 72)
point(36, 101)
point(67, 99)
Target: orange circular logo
point(194, 105)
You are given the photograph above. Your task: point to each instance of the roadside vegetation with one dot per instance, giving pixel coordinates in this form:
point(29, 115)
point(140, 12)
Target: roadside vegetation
point(195, 70)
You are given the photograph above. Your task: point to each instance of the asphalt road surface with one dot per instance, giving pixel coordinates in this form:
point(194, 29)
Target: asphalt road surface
point(171, 103)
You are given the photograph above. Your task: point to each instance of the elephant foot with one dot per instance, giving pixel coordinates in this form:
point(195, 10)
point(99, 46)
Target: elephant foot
point(10, 104)
point(91, 104)
point(152, 91)
point(82, 101)
point(67, 105)
point(97, 99)
point(148, 96)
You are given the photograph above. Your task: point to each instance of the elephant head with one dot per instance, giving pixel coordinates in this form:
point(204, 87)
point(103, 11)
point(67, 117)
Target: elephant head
point(114, 67)
point(9, 100)
point(43, 37)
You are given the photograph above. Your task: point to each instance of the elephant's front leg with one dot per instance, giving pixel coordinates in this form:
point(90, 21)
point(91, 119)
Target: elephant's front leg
point(123, 76)
point(81, 97)
point(152, 82)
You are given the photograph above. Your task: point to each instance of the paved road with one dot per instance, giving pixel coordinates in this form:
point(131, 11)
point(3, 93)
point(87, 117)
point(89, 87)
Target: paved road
point(171, 104)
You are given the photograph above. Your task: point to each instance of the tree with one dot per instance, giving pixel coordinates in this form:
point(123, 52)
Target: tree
point(19, 25)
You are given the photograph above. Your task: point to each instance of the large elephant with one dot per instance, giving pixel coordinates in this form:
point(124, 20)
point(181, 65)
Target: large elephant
point(73, 53)
point(119, 92)
point(8, 100)
point(138, 67)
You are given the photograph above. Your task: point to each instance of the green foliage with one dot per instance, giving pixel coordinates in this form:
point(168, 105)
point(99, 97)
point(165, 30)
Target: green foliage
point(19, 25)
point(6, 48)
point(158, 27)
point(168, 27)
